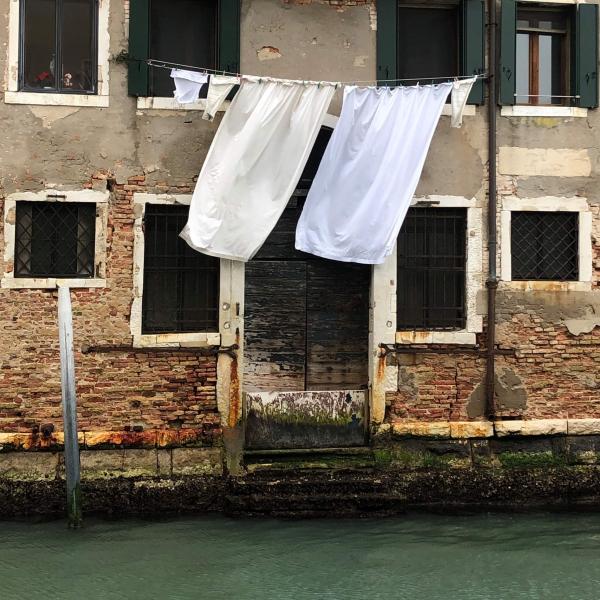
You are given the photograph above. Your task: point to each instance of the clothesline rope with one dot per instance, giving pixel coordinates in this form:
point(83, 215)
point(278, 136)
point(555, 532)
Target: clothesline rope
point(161, 64)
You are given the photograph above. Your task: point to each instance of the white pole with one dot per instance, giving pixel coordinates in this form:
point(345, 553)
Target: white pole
point(69, 404)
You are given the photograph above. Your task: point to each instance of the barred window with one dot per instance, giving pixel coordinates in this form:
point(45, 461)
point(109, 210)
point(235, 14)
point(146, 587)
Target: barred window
point(181, 286)
point(431, 269)
point(544, 245)
point(55, 239)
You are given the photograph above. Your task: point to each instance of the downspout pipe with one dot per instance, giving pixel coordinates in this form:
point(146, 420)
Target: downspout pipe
point(492, 277)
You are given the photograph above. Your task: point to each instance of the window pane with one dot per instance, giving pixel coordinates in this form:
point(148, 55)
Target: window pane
point(181, 31)
point(55, 239)
point(39, 44)
point(427, 42)
point(181, 286)
point(77, 46)
point(431, 269)
point(544, 246)
point(522, 67)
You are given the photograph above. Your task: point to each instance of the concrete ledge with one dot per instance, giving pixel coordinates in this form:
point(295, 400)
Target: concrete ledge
point(583, 426)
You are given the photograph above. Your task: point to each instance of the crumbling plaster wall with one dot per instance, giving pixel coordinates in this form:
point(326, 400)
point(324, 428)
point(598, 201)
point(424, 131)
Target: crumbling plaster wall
point(162, 151)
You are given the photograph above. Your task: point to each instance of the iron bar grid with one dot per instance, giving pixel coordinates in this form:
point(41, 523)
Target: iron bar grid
point(181, 286)
point(545, 246)
point(55, 239)
point(431, 269)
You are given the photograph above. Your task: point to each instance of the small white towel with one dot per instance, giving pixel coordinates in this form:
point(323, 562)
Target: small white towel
point(218, 89)
point(460, 92)
point(187, 85)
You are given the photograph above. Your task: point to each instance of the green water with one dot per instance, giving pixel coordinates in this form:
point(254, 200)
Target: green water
point(415, 557)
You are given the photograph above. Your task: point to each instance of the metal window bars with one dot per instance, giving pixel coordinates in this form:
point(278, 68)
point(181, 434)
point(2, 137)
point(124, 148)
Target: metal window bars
point(181, 286)
point(432, 269)
point(55, 239)
point(545, 245)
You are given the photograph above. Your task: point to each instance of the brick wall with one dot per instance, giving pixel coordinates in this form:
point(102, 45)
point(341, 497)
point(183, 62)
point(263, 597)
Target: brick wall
point(118, 390)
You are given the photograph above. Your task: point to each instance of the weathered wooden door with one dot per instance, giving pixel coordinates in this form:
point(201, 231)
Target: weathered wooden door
point(306, 330)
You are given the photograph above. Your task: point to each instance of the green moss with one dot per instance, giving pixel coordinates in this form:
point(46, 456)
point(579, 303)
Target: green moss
point(530, 459)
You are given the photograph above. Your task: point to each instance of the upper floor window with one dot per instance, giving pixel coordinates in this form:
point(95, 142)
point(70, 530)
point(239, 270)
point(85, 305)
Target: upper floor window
point(58, 46)
point(549, 54)
point(198, 33)
point(542, 50)
point(430, 40)
point(432, 269)
point(544, 245)
point(181, 286)
point(55, 239)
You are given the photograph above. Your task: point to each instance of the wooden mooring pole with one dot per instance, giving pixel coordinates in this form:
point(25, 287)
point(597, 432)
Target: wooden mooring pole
point(69, 404)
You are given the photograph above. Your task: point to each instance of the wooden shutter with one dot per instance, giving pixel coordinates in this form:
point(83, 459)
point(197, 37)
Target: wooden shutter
point(139, 27)
point(586, 55)
point(473, 45)
point(387, 19)
point(508, 48)
point(229, 35)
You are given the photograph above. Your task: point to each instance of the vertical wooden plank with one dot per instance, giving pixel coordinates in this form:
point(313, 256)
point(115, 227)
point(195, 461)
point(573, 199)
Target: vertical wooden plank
point(139, 27)
point(387, 59)
point(508, 49)
point(229, 35)
point(275, 326)
point(586, 58)
point(337, 325)
point(69, 405)
point(473, 41)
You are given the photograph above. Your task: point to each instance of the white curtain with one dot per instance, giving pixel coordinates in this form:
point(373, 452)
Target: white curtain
point(253, 165)
point(370, 172)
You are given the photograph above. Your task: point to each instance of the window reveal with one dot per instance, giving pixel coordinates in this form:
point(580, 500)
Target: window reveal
point(541, 56)
point(55, 239)
point(544, 246)
point(184, 32)
point(432, 269)
point(59, 46)
point(181, 286)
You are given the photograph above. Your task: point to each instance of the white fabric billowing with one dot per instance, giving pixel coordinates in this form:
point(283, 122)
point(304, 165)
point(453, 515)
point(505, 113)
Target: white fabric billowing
point(219, 87)
point(187, 85)
point(369, 172)
point(253, 165)
point(460, 93)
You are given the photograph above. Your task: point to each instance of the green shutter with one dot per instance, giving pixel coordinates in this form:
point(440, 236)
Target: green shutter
point(508, 48)
point(139, 18)
point(473, 45)
point(387, 19)
point(229, 35)
point(586, 55)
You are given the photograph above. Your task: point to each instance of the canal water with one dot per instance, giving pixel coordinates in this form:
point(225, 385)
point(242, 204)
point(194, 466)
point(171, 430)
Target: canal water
point(496, 557)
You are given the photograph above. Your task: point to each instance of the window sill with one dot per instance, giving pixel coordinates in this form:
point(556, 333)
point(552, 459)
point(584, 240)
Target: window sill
point(547, 286)
point(150, 103)
point(177, 340)
point(18, 283)
point(469, 111)
point(462, 337)
point(543, 111)
point(41, 99)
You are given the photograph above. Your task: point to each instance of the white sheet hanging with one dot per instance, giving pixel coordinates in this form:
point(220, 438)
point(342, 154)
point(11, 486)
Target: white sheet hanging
point(219, 87)
point(460, 93)
point(253, 165)
point(370, 172)
point(187, 85)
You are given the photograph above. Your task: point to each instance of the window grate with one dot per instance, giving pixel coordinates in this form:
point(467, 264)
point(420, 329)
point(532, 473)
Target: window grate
point(545, 246)
point(55, 239)
point(181, 286)
point(431, 269)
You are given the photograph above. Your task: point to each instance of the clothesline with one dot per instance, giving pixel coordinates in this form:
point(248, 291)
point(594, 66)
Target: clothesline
point(161, 64)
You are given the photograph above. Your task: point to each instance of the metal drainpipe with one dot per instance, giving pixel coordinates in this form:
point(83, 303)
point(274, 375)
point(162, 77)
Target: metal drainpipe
point(492, 280)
